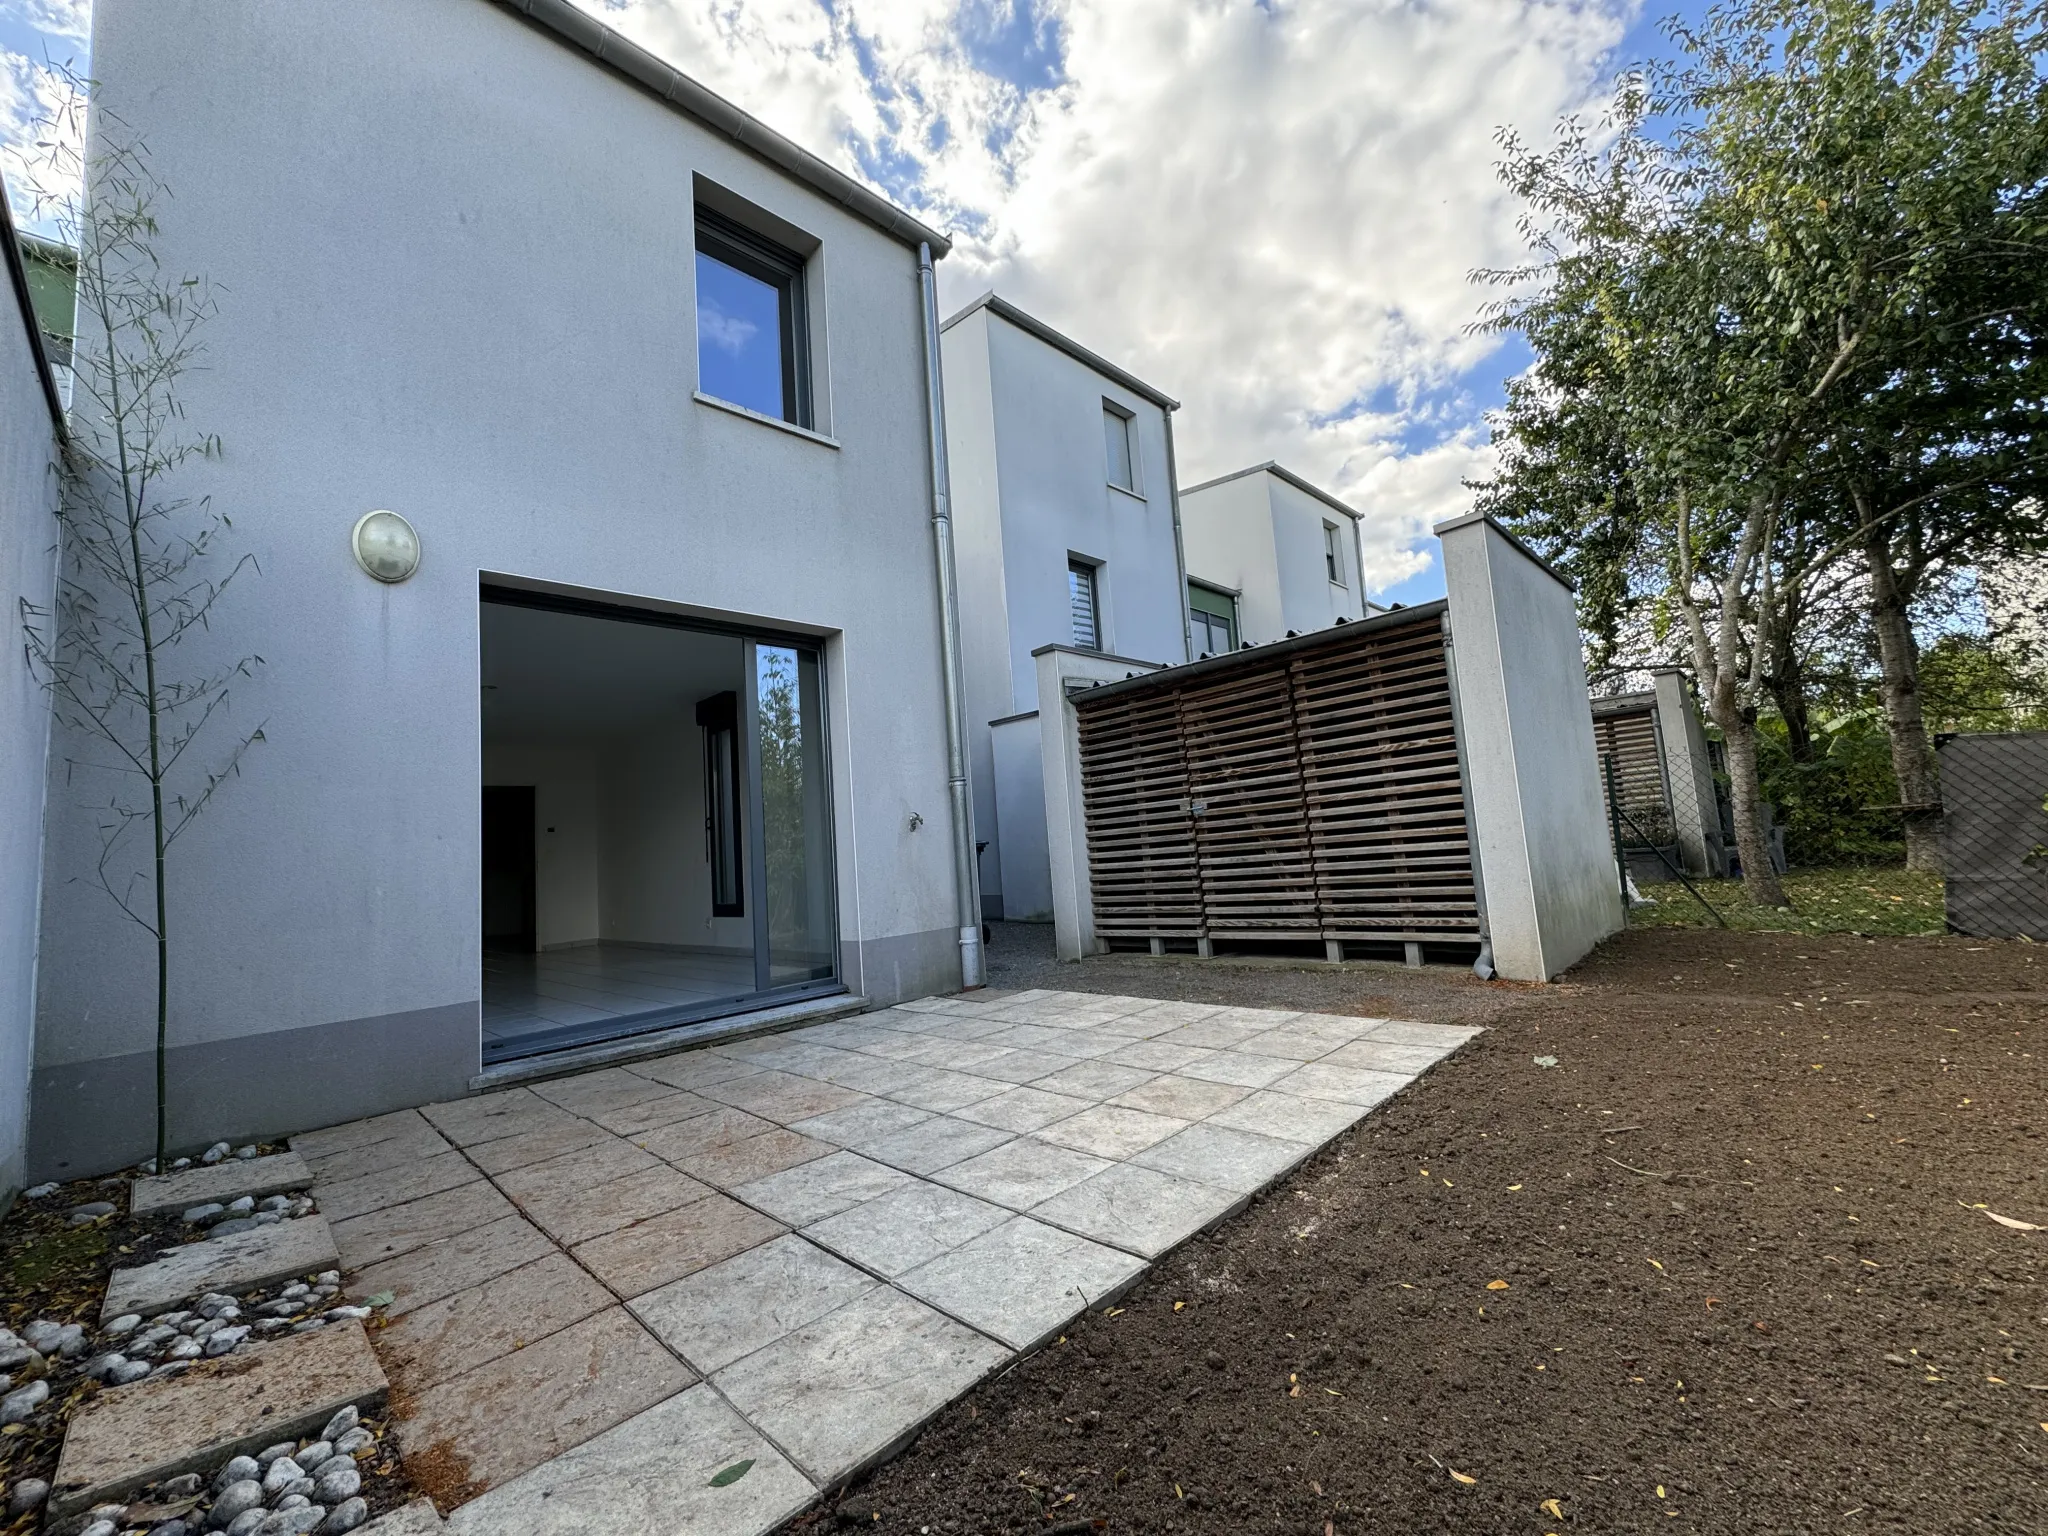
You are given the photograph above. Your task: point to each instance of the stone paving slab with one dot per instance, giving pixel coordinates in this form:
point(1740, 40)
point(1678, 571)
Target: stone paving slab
point(513, 1413)
point(241, 1261)
point(442, 1339)
point(728, 1311)
point(411, 1180)
point(451, 1264)
point(651, 1253)
point(419, 1518)
point(845, 1390)
point(964, 1175)
point(118, 1441)
point(229, 1179)
point(650, 1474)
point(378, 1235)
point(349, 1135)
point(1022, 1281)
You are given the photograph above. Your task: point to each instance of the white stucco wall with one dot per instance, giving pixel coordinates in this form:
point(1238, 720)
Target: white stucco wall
point(1030, 489)
point(456, 270)
point(1261, 536)
point(1525, 728)
point(28, 567)
point(1020, 820)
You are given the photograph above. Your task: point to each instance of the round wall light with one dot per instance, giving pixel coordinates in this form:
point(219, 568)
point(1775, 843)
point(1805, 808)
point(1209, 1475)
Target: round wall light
point(386, 546)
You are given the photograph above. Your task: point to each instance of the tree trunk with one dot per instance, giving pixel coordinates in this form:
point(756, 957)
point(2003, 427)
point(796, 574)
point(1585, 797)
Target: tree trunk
point(1759, 874)
point(1788, 691)
point(1912, 753)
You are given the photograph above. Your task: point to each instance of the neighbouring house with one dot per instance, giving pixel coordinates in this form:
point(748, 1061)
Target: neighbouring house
point(1268, 555)
point(1063, 497)
point(51, 268)
point(31, 429)
point(604, 692)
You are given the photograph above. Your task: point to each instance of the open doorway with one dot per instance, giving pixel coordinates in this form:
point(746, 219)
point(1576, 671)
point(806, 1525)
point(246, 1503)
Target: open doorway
point(656, 823)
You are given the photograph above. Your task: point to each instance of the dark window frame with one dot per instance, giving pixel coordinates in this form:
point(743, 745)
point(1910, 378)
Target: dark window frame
point(719, 717)
point(724, 240)
point(1333, 555)
point(1210, 617)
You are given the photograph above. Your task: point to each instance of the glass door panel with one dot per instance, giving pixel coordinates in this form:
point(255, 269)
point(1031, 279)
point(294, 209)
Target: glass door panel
point(795, 927)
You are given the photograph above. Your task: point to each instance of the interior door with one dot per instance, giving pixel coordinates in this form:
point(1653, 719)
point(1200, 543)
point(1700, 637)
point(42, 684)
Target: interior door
point(509, 886)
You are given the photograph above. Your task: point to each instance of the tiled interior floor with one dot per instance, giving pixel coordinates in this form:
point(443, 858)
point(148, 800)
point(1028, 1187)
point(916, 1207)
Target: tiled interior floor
point(530, 995)
point(795, 1249)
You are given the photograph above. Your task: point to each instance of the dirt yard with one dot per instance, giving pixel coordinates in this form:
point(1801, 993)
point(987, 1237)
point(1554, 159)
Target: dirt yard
point(1701, 1240)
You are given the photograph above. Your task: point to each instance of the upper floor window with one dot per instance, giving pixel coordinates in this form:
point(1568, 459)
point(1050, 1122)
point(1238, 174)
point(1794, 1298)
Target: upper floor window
point(753, 324)
point(1081, 602)
point(1116, 433)
point(1333, 554)
point(1212, 621)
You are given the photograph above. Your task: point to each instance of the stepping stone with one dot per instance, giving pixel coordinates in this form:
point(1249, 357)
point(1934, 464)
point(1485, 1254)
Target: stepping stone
point(419, 1518)
point(119, 1441)
point(229, 1179)
point(242, 1261)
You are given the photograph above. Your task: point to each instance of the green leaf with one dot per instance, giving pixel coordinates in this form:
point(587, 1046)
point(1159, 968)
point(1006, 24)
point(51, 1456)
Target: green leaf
point(381, 1299)
point(733, 1473)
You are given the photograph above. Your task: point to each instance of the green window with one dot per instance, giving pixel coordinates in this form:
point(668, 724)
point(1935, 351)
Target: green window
point(1212, 620)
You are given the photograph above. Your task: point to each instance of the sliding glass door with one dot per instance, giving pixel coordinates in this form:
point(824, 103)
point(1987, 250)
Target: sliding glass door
point(795, 931)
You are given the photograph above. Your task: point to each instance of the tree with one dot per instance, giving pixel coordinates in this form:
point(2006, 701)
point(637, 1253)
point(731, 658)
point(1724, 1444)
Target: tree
point(1801, 323)
point(142, 564)
point(1889, 161)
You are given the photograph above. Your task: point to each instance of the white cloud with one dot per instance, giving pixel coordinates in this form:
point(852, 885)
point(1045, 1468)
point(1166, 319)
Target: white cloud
point(1269, 210)
point(38, 109)
point(728, 333)
point(62, 21)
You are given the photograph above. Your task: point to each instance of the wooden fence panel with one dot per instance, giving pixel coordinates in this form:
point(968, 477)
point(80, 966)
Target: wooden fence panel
point(1309, 791)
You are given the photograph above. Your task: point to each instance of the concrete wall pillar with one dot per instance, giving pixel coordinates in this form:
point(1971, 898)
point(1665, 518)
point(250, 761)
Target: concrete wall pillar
point(1689, 772)
point(1525, 728)
point(1066, 828)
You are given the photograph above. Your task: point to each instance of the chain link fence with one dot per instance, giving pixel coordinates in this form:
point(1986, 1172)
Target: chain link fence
point(1994, 791)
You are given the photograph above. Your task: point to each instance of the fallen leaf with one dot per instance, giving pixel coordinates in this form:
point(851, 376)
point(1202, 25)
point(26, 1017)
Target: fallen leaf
point(2017, 1226)
point(1460, 1477)
point(1513, 1187)
point(1496, 1285)
point(1180, 1306)
point(1449, 1185)
point(1655, 1265)
point(1553, 1508)
point(1334, 1393)
point(732, 1474)
point(1544, 1061)
point(381, 1299)
point(1660, 1490)
point(1177, 1493)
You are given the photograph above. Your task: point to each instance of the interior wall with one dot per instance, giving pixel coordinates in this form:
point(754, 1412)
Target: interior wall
point(656, 873)
point(567, 833)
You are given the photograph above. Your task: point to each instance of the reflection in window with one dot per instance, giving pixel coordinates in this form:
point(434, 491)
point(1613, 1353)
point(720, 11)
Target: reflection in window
point(720, 718)
point(752, 327)
point(789, 718)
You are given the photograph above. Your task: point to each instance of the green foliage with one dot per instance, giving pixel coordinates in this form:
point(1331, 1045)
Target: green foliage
point(1828, 806)
point(1969, 684)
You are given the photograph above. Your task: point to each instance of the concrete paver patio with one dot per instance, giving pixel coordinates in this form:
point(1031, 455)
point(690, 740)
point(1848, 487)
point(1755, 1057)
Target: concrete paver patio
point(794, 1249)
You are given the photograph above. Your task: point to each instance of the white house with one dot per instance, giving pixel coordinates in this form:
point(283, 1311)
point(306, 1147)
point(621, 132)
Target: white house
point(1069, 535)
point(659, 733)
point(1268, 555)
point(31, 419)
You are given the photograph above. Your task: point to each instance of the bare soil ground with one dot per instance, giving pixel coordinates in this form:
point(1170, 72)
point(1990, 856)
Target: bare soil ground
point(1728, 1266)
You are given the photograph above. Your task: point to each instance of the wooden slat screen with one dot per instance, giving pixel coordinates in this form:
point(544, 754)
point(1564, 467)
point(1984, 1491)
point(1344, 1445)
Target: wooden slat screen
point(1306, 793)
point(1630, 738)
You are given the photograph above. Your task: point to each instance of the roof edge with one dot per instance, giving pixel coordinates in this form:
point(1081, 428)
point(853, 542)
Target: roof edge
point(1281, 472)
point(996, 304)
point(17, 276)
point(1513, 539)
point(615, 52)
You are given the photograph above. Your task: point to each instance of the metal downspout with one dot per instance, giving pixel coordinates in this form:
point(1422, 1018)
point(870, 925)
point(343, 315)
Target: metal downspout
point(1180, 554)
point(966, 876)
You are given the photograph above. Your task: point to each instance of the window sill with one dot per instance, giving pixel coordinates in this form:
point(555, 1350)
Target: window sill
point(767, 421)
point(1122, 491)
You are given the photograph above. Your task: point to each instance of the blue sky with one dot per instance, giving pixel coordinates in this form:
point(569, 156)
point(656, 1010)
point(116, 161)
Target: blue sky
point(1269, 208)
